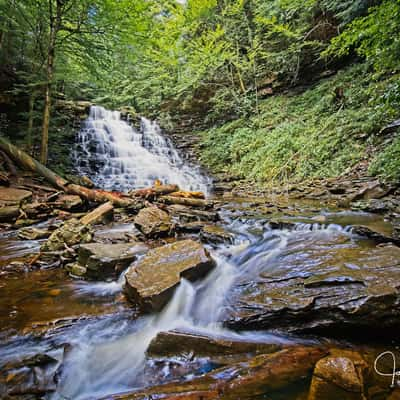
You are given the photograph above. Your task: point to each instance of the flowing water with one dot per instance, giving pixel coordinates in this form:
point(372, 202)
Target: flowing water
point(90, 328)
point(119, 157)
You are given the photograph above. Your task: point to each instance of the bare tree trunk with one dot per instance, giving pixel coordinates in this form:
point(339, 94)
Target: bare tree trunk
point(55, 24)
point(30, 120)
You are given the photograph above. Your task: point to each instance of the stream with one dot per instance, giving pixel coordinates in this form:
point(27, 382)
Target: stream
point(98, 340)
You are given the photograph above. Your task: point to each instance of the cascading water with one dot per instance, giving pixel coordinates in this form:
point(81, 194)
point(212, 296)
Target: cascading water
point(118, 157)
point(98, 368)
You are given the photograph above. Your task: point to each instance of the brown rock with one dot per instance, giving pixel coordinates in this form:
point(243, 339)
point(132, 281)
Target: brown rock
point(9, 213)
point(337, 377)
point(183, 342)
point(250, 379)
point(152, 281)
point(214, 234)
point(11, 196)
point(153, 222)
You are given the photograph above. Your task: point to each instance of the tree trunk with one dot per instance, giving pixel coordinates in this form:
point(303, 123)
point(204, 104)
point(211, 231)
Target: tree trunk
point(55, 24)
point(30, 121)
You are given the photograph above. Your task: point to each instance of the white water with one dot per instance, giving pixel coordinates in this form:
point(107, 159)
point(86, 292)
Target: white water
point(116, 156)
point(97, 368)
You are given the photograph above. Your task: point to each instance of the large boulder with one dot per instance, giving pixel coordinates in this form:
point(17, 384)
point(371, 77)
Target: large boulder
point(104, 260)
point(153, 222)
point(152, 281)
point(72, 232)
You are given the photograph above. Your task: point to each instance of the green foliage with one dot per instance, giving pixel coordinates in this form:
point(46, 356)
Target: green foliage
point(387, 163)
point(315, 134)
point(375, 37)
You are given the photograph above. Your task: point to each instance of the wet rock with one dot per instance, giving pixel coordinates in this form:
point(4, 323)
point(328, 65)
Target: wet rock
point(31, 233)
point(334, 288)
point(103, 260)
point(34, 376)
point(76, 270)
point(338, 377)
point(281, 225)
point(153, 222)
point(9, 213)
point(373, 206)
point(174, 343)
point(72, 232)
point(190, 227)
point(11, 196)
point(214, 234)
point(69, 202)
point(375, 236)
point(253, 378)
point(151, 282)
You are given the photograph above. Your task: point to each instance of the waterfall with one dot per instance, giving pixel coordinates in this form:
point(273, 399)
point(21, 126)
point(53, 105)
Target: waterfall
point(116, 156)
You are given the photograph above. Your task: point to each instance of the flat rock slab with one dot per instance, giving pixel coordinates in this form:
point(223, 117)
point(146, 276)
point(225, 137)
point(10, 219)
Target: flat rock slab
point(10, 196)
point(153, 222)
point(325, 283)
point(101, 260)
point(152, 281)
point(173, 343)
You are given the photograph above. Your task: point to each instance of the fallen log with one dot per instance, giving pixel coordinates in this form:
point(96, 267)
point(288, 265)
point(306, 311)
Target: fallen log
point(10, 164)
point(152, 192)
point(188, 195)
point(186, 201)
point(29, 163)
point(99, 214)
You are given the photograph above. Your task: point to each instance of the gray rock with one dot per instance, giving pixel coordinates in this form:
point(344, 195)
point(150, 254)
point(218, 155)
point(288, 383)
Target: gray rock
point(104, 260)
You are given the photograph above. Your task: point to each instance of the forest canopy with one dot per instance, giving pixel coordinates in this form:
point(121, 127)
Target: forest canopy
point(216, 58)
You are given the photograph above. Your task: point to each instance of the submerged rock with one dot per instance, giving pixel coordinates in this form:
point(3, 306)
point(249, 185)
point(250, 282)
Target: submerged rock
point(153, 222)
point(253, 378)
point(70, 233)
point(103, 260)
point(214, 234)
point(152, 281)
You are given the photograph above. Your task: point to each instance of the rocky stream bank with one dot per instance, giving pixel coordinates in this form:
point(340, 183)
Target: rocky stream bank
point(284, 295)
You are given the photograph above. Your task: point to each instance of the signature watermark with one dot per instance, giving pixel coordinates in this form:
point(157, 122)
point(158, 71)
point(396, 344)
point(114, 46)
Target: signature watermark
point(394, 374)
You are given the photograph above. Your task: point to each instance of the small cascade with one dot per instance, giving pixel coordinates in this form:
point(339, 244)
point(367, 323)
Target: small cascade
point(116, 156)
